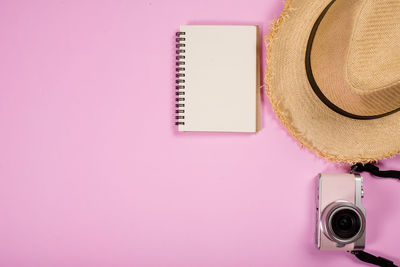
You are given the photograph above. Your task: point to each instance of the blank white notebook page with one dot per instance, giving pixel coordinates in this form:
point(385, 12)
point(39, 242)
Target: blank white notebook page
point(220, 78)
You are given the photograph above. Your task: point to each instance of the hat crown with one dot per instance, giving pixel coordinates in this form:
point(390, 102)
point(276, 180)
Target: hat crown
point(355, 56)
point(374, 53)
point(311, 53)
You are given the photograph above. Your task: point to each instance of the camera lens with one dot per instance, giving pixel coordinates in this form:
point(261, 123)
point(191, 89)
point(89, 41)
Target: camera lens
point(345, 223)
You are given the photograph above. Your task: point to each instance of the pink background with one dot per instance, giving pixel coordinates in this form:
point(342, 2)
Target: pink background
point(92, 172)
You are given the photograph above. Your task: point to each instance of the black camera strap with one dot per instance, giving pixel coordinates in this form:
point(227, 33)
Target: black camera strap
point(374, 170)
point(366, 257)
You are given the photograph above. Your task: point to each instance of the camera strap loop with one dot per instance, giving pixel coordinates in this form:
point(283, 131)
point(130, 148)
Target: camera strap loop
point(374, 170)
point(366, 257)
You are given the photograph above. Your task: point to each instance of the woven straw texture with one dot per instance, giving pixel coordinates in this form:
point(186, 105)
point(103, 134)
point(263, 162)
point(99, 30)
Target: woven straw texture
point(356, 63)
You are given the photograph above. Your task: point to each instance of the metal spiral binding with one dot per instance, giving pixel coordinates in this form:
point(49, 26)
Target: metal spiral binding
point(180, 78)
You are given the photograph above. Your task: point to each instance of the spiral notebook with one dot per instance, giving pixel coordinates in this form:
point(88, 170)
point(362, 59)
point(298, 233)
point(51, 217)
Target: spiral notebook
point(217, 78)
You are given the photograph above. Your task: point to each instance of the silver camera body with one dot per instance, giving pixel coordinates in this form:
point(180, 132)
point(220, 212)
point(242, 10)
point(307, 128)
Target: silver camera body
point(340, 223)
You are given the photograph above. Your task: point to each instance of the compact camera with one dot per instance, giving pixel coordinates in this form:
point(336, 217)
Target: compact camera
point(340, 213)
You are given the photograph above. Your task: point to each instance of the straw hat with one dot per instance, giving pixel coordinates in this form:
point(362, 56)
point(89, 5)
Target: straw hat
point(333, 76)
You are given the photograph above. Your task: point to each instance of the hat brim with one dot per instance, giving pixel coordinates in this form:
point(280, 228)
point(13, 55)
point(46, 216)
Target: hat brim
point(317, 127)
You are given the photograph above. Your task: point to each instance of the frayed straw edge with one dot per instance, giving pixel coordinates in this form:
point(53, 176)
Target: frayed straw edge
point(269, 39)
